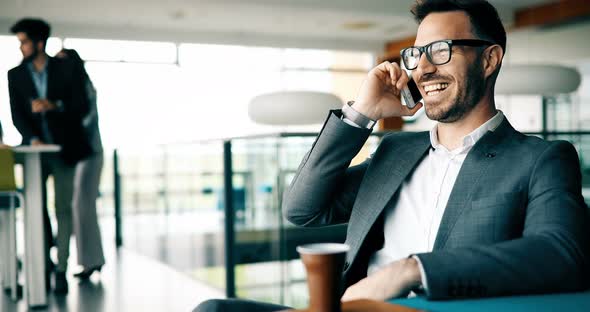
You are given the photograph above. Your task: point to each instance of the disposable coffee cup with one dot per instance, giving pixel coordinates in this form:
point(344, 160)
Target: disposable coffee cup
point(323, 264)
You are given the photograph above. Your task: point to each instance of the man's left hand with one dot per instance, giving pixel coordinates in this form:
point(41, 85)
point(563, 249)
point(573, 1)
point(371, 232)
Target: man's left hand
point(394, 280)
point(42, 105)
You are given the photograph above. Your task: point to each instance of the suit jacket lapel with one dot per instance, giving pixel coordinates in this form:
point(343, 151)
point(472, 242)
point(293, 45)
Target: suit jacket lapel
point(28, 84)
point(475, 166)
point(392, 167)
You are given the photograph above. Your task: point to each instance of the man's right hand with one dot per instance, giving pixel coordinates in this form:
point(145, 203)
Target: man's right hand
point(42, 105)
point(379, 96)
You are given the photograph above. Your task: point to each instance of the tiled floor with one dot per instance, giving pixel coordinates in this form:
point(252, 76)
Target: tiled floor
point(128, 282)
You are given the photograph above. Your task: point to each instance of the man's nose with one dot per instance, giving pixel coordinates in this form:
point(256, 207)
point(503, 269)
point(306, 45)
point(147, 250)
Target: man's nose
point(424, 66)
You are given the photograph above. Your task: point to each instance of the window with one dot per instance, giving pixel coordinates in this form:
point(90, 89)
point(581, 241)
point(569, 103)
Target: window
point(158, 92)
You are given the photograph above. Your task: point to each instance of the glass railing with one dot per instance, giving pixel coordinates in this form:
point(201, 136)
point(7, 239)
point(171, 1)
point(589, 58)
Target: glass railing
point(172, 206)
point(173, 200)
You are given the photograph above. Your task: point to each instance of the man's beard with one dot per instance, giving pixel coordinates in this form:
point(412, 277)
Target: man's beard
point(31, 57)
point(467, 97)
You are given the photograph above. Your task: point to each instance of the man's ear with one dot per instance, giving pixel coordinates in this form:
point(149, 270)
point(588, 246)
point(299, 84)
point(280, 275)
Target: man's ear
point(492, 58)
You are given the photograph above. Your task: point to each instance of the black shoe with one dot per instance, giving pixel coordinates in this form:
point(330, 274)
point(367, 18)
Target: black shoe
point(61, 283)
point(19, 291)
point(86, 273)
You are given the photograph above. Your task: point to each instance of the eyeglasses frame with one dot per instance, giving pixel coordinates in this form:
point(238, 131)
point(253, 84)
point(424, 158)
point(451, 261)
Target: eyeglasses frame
point(450, 42)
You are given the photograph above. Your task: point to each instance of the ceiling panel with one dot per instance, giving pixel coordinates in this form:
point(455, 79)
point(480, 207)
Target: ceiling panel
point(359, 24)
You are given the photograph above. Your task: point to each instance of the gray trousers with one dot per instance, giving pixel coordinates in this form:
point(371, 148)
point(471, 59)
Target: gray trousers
point(63, 178)
point(85, 219)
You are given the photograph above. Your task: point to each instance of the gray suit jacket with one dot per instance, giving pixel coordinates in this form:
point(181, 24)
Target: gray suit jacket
point(515, 222)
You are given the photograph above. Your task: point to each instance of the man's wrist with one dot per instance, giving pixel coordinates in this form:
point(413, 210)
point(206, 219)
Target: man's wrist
point(413, 273)
point(359, 119)
point(365, 109)
point(50, 106)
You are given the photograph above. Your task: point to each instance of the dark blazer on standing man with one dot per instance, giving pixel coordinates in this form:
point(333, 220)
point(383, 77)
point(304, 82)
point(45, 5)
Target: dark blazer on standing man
point(515, 222)
point(65, 83)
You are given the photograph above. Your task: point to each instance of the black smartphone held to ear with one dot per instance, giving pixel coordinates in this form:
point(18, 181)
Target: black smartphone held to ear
point(411, 94)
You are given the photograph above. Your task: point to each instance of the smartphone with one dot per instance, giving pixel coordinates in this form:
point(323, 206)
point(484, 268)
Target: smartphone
point(411, 94)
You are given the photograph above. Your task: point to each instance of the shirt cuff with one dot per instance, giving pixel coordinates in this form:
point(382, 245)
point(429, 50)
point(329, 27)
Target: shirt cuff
point(346, 110)
point(350, 122)
point(422, 274)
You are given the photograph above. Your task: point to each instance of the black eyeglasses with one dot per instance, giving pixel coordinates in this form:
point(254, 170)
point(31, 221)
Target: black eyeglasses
point(438, 52)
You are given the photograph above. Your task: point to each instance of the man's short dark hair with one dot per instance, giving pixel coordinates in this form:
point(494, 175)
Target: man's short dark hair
point(484, 18)
point(36, 29)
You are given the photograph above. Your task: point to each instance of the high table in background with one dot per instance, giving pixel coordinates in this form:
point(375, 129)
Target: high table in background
point(34, 258)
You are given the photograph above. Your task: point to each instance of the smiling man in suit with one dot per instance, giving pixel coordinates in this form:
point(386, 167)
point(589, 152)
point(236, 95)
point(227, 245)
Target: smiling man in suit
point(48, 102)
point(471, 208)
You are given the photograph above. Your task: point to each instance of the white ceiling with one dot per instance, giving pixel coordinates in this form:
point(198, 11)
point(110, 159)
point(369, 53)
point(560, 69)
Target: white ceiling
point(289, 23)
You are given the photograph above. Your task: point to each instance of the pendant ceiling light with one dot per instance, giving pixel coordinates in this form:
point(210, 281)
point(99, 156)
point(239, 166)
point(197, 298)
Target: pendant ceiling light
point(292, 107)
point(537, 79)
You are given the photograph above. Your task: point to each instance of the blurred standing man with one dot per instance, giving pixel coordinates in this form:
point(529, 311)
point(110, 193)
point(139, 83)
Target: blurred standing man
point(48, 102)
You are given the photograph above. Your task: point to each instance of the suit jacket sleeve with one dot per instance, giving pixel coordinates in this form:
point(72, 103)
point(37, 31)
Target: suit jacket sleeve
point(551, 256)
point(324, 188)
point(21, 119)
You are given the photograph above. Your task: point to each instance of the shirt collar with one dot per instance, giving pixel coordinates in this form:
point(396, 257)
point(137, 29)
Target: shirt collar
point(31, 68)
point(472, 138)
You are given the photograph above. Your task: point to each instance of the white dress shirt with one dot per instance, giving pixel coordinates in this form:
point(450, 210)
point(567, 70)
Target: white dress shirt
point(412, 225)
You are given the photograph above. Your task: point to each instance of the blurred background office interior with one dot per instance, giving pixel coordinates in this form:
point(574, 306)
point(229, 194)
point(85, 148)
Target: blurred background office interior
point(190, 193)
